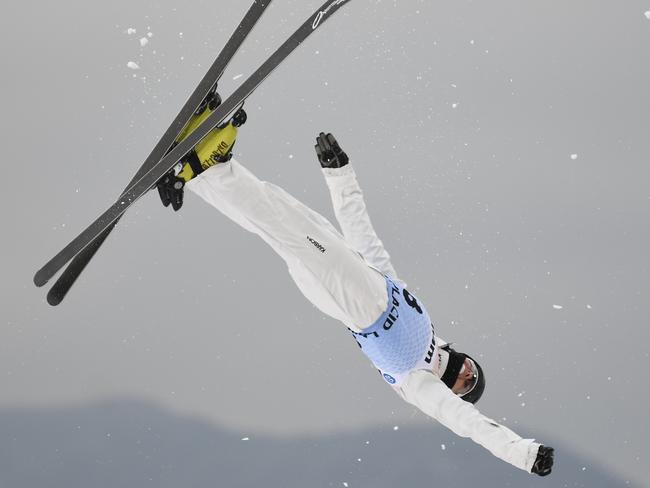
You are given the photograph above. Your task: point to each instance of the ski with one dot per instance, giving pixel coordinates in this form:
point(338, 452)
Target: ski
point(157, 171)
point(59, 290)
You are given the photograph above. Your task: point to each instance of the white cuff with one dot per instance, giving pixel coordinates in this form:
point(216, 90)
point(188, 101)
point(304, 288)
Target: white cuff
point(533, 448)
point(334, 172)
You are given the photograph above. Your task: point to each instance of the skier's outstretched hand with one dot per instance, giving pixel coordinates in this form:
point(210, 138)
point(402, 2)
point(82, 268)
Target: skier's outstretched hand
point(215, 148)
point(329, 152)
point(544, 461)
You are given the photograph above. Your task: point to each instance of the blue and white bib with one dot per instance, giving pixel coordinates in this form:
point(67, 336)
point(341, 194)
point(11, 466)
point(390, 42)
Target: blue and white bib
point(402, 339)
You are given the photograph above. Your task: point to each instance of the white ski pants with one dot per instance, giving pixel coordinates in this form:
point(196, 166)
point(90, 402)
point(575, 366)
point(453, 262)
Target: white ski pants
point(334, 277)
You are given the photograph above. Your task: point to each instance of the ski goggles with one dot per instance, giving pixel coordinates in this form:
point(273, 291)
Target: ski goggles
point(472, 381)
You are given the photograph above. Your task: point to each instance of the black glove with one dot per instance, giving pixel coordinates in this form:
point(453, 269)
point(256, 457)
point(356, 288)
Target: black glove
point(544, 461)
point(329, 152)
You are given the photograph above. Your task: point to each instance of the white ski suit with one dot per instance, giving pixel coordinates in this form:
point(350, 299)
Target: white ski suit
point(343, 275)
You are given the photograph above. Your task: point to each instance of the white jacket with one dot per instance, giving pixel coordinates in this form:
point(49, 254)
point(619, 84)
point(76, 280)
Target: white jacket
point(423, 388)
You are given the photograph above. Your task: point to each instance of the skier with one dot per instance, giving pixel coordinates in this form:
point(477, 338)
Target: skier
point(349, 276)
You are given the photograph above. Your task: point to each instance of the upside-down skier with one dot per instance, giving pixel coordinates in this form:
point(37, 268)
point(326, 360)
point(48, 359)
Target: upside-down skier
point(348, 275)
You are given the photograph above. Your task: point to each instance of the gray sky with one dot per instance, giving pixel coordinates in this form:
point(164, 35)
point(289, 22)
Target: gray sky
point(461, 119)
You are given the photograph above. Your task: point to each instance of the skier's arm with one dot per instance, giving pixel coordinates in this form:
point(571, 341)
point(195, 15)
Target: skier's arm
point(350, 208)
point(427, 392)
point(352, 216)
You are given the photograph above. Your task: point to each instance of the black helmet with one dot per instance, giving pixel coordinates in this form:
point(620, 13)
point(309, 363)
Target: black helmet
point(454, 366)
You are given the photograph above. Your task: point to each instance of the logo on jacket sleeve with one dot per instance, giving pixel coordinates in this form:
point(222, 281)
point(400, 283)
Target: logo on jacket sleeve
point(316, 244)
point(389, 378)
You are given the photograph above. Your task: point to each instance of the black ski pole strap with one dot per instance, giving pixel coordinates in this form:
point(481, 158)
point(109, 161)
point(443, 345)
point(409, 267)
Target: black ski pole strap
point(194, 162)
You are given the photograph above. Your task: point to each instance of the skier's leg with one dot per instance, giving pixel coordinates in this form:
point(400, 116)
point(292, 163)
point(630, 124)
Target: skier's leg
point(302, 237)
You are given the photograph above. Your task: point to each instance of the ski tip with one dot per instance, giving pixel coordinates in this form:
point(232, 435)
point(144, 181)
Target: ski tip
point(39, 278)
point(54, 298)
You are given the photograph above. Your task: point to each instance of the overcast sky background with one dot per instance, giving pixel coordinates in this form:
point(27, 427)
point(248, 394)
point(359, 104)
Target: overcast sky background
point(502, 147)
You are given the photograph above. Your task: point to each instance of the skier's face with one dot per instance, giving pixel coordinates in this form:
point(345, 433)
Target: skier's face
point(466, 378)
